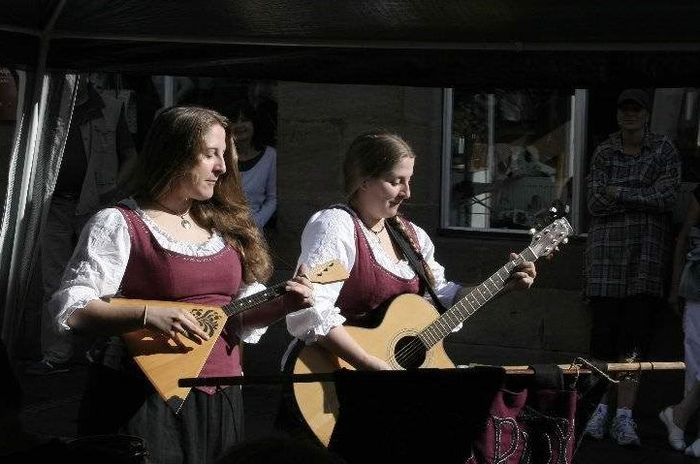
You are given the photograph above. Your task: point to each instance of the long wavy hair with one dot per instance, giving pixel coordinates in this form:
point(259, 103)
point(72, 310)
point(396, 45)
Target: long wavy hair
point(370, 156)
point(171, 149)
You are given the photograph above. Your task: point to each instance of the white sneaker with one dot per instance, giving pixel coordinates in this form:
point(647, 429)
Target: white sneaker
point(624, 430)
point(694, 449)
point(595, 428)
point(676, 435)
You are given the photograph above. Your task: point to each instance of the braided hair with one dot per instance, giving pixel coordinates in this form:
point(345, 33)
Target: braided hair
point(400, 225)
point(370, 156)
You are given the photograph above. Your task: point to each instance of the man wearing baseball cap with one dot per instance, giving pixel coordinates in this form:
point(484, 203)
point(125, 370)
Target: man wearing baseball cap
point(632, 185)
point(638, 96)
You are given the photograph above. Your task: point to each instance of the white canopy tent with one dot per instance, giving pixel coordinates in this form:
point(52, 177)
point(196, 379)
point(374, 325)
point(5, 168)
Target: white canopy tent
point(477, 44)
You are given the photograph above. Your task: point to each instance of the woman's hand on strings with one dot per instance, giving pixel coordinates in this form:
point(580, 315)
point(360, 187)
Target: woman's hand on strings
point(522, 276)
point(373, 363)
point(174, 323)
point(300, 288)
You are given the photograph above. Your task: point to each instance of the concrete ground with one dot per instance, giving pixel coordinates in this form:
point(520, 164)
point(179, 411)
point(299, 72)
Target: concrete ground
point(51, 402)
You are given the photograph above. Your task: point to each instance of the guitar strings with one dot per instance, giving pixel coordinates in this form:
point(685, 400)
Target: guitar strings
point(409, 351)
point(416, 345)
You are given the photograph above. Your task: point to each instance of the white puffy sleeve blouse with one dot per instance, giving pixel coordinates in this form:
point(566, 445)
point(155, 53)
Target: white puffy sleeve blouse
point(100, 258)
point(330, 234)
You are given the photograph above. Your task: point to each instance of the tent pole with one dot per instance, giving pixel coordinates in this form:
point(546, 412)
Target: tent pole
point(14, 312)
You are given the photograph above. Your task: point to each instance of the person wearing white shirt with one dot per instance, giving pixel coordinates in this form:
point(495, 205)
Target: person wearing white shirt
point(186, 235)
point(378, 168)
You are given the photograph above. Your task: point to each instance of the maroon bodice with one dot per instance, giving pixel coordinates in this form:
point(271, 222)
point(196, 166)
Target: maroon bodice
point(155, 273)
point(370, 285)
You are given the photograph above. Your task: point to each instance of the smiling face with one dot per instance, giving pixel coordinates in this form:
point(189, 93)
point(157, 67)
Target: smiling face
point(631, 116)
point(377, 173)
point(209, 165)
point(380, 197)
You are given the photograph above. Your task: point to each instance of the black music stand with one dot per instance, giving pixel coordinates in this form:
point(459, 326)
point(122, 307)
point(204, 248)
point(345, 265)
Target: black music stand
point(398, 416)
point(392, 416)
point(436, 414)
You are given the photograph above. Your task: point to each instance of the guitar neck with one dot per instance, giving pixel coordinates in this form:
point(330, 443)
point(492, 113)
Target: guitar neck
point(327, 272)
point(249, 302)
point(467, 306)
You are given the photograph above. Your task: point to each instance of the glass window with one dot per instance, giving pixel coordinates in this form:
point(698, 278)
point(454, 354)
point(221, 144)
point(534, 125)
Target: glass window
point(509, 156)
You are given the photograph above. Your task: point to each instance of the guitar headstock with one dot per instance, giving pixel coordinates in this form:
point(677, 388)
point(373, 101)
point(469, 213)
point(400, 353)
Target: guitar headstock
point(543, 218)
point(546, 239)
point(328, 272)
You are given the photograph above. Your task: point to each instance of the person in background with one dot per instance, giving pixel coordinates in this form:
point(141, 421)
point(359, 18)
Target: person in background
point(185, 235)
point(633, 182)
point(258, 165)
point(98, 158)
point(262, 95)
point(685, 294)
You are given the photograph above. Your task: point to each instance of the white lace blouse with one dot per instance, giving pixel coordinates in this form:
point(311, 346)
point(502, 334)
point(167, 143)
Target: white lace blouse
point(330, 234)
point(102, 253)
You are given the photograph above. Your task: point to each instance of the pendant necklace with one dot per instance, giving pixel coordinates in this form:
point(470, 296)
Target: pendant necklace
point(377, 232)
point(184, 222)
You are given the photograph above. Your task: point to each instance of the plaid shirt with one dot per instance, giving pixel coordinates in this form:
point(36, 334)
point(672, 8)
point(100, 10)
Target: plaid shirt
point(629, 245)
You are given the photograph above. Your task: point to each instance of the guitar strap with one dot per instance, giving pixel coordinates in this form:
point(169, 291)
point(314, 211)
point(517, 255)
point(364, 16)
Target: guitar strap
point(415, 259)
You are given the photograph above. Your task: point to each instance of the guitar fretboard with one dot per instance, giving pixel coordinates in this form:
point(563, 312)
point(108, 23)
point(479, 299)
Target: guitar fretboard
point(467, 306)
point(244, 304)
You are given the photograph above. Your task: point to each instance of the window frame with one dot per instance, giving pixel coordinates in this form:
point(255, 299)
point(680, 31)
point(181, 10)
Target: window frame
point(576, 164)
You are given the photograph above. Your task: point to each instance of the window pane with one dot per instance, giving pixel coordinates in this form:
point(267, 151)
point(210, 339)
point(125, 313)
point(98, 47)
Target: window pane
point(510, 157)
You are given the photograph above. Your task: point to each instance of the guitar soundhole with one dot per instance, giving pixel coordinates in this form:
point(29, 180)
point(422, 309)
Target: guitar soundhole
point(208, 319)
point(409, 353)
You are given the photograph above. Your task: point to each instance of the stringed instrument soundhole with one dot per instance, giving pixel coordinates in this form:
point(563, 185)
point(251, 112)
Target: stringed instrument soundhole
point(409, 352)
point(208, 320)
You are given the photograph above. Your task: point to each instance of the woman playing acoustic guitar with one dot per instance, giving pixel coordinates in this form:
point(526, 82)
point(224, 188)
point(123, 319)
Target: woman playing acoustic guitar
point(185, 236)
point(378, 168)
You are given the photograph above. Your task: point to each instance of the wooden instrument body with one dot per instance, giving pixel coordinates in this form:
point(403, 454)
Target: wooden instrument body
point(161, 360)
point(164, 362)
point(406, 316)
point(409, 317)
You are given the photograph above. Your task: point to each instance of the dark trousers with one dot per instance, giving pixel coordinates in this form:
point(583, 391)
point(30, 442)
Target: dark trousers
point(125, 403)
point(622, 328)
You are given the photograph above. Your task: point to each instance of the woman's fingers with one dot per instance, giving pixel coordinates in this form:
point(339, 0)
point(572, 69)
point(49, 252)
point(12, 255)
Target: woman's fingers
point(302, 272)
point(194, 328)
point(526, 267)
point(302, 286)
point(176, 323)
point(306, 294)
point(176, 338)
point(523, 275)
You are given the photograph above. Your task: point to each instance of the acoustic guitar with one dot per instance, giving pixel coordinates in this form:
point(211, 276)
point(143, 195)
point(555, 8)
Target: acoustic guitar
point(409, 335)
point(164, 363)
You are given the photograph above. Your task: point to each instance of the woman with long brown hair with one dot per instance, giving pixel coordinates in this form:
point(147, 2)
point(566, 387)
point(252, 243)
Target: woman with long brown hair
point(185, 235)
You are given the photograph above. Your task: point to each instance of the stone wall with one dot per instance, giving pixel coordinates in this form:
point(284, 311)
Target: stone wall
point(316, 124)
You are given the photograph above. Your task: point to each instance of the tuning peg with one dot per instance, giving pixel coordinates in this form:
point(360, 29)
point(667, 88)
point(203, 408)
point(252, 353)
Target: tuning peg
point(532, 231)
point(553, 209)
point(565, 240)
